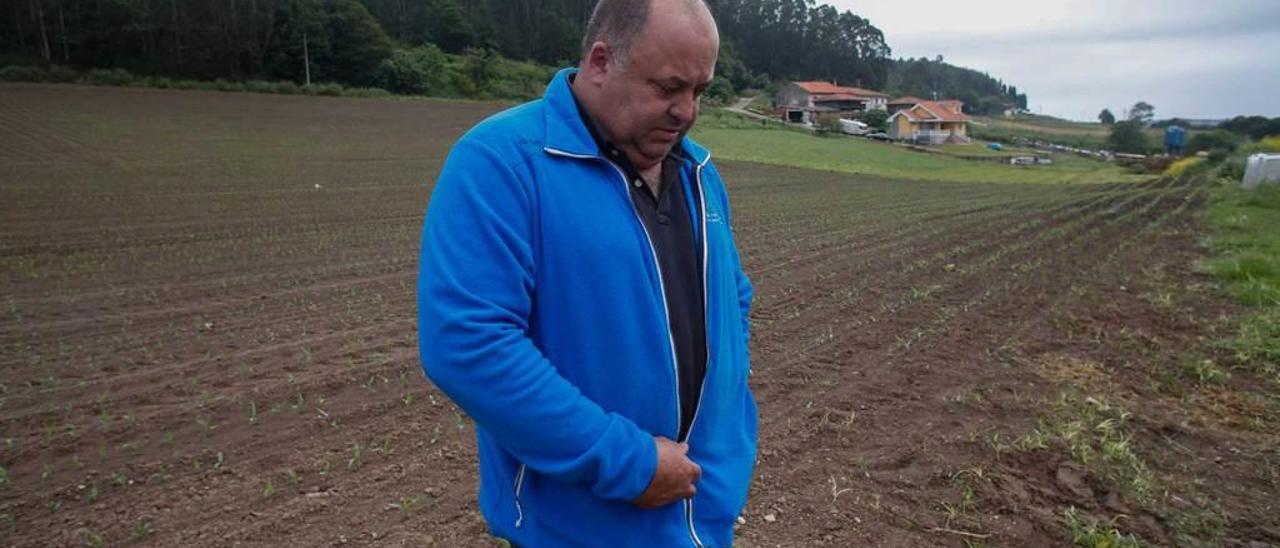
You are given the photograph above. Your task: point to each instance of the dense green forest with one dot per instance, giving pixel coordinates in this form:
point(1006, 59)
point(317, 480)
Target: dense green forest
point(929, 79)
point(451, 47)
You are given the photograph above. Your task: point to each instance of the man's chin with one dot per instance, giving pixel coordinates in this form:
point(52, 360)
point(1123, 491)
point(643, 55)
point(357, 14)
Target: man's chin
point(660, 148)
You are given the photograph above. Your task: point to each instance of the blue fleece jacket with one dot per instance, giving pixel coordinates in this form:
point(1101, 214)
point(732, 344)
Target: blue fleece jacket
point(542, 315)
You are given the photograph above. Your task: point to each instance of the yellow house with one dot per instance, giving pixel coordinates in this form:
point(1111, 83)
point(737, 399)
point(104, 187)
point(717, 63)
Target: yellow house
point(929, 122)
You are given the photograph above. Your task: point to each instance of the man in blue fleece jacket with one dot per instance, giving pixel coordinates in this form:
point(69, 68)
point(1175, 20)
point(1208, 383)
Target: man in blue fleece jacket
point(581, 297)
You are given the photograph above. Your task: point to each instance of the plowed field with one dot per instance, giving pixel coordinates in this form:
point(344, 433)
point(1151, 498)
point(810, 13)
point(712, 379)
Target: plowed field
point(207, 339)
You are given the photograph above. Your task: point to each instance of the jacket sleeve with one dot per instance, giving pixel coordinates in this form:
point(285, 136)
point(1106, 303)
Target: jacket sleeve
point(475, 298)
point(745, 290)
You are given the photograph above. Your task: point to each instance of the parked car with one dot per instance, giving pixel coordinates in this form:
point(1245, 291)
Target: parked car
point(879, 136)
point(854, 127)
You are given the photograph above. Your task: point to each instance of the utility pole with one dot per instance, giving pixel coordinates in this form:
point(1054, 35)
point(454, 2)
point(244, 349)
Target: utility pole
point(177, 32)
point(17, 22)
point(62, 22)
point(38, 7)
point(306, 57)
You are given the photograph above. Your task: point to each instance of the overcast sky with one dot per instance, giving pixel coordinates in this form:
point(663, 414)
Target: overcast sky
point(1189, 58)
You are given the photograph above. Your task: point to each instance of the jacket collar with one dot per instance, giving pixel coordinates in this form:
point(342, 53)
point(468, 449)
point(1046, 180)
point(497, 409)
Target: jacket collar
point(567, 134)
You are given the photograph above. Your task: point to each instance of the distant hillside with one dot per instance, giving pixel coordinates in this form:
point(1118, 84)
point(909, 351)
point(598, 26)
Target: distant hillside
point(934, 78)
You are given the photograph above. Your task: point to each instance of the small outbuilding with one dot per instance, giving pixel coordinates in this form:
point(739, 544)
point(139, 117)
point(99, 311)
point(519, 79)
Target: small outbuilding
point(928, 122)
point(801, 102)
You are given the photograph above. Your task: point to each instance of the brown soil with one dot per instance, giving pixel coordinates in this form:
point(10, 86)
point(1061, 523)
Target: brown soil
point(208, 339)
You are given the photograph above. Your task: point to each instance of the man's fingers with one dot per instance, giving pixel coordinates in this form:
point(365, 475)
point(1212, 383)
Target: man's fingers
point(695, 470)
point(684, 448)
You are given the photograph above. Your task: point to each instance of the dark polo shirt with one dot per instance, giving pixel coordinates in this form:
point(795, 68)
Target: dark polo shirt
point(669, 222)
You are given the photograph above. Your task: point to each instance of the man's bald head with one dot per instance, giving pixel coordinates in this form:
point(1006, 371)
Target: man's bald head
point(618, 23)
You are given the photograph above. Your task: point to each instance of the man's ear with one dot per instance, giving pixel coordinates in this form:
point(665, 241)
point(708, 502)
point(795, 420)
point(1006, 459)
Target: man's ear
point(598, 63)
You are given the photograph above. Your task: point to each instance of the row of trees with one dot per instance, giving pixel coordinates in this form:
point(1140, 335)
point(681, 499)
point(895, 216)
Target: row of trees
point(1128, 136)
point(797, 39)
point(1254, 127)
point(1142, 112)
point(781, 38)
point(347, 41)
point(334, 40)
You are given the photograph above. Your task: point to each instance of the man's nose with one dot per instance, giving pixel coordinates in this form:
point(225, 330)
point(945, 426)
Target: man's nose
point(684, 107)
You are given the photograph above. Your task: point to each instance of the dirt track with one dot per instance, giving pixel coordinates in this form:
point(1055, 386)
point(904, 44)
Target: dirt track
point(208, 339)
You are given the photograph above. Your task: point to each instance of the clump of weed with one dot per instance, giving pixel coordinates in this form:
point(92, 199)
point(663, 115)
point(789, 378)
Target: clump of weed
point(1087, 532)
point(1095, 433)
point(1207, 372)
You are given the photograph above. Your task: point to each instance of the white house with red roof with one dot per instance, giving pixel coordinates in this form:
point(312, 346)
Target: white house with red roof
point(801, 102)
point(928, 122)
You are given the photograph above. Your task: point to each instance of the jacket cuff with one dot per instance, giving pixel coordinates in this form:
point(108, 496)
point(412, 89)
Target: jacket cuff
point(628, 461)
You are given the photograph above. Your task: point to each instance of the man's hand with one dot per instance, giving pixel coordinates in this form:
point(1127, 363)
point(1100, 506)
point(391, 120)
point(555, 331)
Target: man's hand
point(675, 477)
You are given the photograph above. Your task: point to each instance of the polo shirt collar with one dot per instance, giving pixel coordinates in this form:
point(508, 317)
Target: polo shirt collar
point(567, 130)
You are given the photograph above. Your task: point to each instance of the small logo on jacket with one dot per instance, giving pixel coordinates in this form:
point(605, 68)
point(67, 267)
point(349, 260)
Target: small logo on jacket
point(714, 217)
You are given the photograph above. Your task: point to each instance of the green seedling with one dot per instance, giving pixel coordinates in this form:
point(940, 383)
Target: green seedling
point(94, 539)
point(140, 530)
point(356, 457)
point(405, 505)
point(295, 479)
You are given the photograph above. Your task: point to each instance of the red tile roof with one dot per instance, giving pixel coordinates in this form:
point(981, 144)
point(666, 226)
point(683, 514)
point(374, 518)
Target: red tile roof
point(933, 112)
point(942, 111)
point(828, 97)
point(827, 88)
point(908, 100)
point(862, 92)
point(954, 105)
point(818, 87)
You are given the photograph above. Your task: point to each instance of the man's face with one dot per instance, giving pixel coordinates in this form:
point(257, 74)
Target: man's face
point(649, 103)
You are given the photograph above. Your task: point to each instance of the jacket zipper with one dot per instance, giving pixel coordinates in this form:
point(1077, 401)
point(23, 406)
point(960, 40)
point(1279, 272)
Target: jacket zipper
point(688, 503)
point(702, 202)
point(519, 484)
point(653, 253)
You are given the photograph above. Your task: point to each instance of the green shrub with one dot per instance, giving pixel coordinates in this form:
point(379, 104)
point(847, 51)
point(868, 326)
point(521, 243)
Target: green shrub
point(226, 85)
point(259, 86)
point(62, 74)
point(21, 73)
point(1268, 144)
point(107, 77)
point(876, 119)
point(720, 92)
point(1128, 137)
point(330, 90)
point(828, 124)
point(518, 80)
point(1218, 139)
point(287, 88)
point(1233, 168)
point(367, 92)
point(419, 71)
